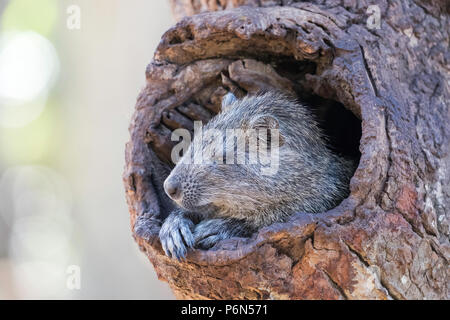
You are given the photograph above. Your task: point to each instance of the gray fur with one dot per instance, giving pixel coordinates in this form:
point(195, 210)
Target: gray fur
point(219, 201)
point(228, 100)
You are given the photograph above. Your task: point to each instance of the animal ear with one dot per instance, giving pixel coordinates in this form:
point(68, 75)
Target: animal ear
point(269, 124)
point(264, 122)
point(227, 101)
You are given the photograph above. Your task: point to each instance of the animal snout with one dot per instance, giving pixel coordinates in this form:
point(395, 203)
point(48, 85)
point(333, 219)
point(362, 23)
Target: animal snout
point(173, 189)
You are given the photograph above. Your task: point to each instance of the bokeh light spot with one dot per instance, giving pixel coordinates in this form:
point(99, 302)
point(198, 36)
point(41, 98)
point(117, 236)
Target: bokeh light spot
point(29, 66)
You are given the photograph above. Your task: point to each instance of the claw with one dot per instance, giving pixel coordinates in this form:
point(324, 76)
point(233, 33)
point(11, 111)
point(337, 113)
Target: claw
point(187, 235)
point(179, 247)
point(166, 251)
point(180, 254)
point(170, 246)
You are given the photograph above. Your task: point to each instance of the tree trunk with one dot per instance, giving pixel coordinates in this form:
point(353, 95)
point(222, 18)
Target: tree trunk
point(390, 238)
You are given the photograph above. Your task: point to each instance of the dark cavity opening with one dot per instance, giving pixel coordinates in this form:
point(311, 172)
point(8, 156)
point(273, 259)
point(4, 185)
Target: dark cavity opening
point(341, 127)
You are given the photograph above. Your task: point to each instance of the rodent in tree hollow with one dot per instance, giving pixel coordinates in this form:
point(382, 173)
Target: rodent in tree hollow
point(218, 200)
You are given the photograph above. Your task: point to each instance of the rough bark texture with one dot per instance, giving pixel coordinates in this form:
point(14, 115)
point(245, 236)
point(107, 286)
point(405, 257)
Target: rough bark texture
point(390, 237)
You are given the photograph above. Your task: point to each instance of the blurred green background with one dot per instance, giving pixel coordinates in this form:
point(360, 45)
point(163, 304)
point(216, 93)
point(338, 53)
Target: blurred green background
point(70, 72)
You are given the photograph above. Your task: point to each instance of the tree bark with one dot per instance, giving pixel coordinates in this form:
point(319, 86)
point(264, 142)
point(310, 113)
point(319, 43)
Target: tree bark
point(390, 238)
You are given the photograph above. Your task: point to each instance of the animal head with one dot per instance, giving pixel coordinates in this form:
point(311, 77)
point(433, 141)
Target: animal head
point(246, 157)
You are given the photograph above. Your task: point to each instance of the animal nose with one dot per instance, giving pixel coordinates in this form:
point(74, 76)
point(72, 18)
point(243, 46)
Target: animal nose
point(173, 189)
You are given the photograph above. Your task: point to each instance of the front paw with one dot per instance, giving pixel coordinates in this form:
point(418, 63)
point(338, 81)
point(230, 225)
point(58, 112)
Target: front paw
point(176, 236)
point(209, 232)
point(146, 226)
